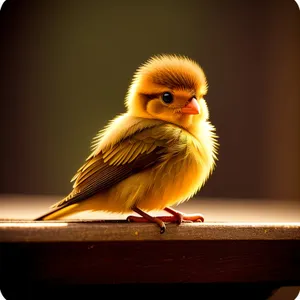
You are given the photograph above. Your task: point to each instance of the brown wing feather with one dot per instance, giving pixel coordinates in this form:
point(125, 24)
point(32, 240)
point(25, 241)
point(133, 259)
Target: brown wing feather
point(124, 159)
point(105, 176)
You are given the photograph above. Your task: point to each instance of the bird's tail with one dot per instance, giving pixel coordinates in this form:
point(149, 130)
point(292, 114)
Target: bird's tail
point(58, 213)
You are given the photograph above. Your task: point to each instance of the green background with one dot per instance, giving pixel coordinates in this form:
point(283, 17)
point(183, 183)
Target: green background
point(66, 66)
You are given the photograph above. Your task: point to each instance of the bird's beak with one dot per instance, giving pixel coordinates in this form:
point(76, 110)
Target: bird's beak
point(192, 108)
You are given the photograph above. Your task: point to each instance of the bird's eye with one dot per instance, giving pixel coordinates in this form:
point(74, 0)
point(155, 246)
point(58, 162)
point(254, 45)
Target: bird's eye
point(167, 97)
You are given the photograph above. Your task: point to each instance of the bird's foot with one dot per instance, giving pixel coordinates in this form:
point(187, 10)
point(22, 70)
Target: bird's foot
point(147, 218)
point(179, 217)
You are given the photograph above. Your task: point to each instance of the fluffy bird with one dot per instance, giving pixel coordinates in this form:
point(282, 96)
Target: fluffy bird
point(157, 154)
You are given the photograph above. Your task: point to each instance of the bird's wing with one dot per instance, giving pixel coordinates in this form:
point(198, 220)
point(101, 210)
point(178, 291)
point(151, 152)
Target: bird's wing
point(110, 166)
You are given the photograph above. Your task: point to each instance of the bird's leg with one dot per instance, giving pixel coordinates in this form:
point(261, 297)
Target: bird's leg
point(146, 218)
point(180, 217)
point(177, 217)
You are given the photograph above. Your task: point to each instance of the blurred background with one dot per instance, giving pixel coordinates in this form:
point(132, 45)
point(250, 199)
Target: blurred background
point(66, 66)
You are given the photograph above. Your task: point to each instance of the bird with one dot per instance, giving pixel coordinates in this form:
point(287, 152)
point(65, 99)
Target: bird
point(157, 154)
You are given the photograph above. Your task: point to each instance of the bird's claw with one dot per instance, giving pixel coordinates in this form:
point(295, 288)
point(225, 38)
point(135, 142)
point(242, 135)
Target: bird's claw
point(162, 229)
point(176, 217)
point(161, 224)
point(184, 218)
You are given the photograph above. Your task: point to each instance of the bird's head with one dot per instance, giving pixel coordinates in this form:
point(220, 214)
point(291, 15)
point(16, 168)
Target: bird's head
point(169, 88)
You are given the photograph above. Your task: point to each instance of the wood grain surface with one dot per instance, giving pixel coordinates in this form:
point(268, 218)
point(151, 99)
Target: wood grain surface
point(235, 259)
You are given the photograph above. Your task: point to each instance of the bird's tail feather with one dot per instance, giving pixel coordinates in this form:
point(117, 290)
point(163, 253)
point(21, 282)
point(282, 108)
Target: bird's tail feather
point(58, 213)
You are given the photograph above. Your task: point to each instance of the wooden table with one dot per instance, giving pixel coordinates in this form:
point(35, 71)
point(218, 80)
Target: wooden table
point(237, 259)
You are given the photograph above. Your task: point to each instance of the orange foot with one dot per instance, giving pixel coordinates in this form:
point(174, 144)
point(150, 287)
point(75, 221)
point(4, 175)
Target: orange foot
point(177, 217)
point(180, 217)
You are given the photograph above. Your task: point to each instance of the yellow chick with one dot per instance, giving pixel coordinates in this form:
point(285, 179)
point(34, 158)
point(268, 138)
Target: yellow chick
point(156, 155)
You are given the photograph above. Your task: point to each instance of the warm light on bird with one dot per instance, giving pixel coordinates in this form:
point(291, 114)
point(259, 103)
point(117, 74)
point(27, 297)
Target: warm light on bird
point(159, 153)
